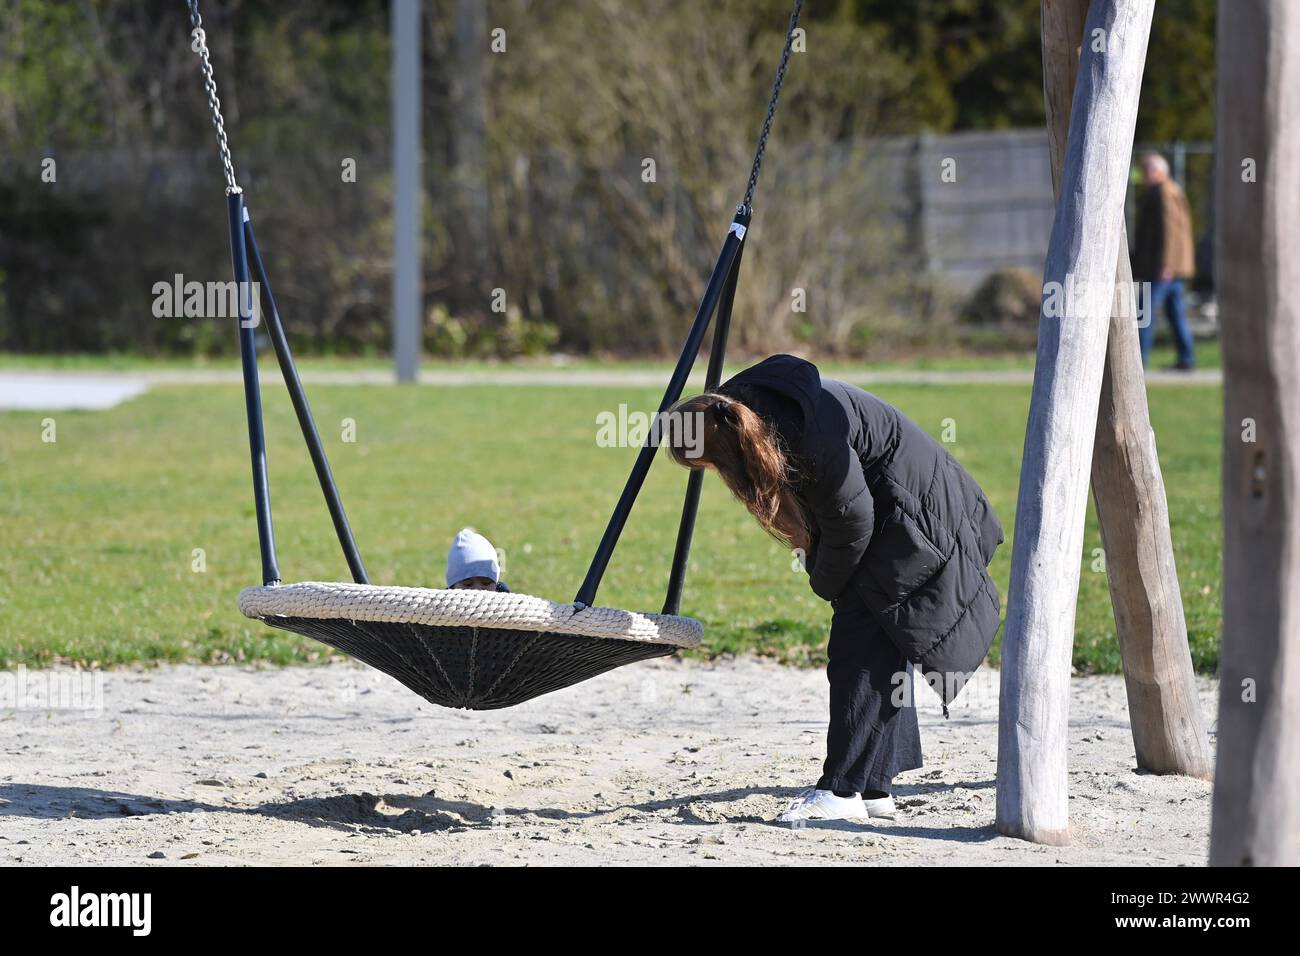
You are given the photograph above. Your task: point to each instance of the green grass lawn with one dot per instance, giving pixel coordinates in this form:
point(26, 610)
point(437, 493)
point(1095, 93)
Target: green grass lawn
point(101, 526)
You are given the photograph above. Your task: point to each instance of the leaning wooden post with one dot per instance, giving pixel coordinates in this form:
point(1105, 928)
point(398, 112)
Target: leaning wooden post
point(1078, 284)
point(1164, 711)
point(1256, 813)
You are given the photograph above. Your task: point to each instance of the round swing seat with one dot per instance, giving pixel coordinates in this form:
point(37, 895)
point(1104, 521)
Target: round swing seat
point(478, 650)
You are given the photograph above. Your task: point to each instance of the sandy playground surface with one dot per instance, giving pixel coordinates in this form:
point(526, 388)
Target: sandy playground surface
point(664, 762)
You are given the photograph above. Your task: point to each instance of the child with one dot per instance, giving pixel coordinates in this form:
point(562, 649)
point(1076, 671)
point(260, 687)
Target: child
point(472, 563)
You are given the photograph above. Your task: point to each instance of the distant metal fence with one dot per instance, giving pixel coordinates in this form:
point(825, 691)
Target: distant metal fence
point(984, 199)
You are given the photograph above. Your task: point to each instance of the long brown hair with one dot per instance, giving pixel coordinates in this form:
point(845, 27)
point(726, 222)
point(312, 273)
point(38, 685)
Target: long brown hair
point(717, 430)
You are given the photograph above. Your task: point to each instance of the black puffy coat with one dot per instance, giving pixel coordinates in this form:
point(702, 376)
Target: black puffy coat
point(891, 513)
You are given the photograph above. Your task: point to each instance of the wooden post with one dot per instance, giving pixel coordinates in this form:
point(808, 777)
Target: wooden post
point(1164, 712)
point(1078, 281)
point(1256, 812)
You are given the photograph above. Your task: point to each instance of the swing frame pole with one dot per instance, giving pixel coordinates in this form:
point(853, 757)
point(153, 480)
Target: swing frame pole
point(1033, 717)
point(1128, 486)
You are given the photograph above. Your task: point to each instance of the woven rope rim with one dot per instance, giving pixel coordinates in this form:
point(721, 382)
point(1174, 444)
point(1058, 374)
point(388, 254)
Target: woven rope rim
point(464, 608)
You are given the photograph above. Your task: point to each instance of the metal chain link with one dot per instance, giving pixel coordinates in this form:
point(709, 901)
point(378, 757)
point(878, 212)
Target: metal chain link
point(214, 104)
point(747, 204)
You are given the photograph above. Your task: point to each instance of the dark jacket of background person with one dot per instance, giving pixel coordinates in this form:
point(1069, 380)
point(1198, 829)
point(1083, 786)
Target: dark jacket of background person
point(891, 514)
point(1163, 242)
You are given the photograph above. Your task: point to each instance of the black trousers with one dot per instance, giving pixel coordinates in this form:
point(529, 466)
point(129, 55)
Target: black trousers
point(870, 738)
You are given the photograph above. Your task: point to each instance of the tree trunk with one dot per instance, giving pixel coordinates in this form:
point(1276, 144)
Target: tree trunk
point(1078, 283)
point(1257, 245)
point(408, 194)
point(471, 230)
point(1164, 712)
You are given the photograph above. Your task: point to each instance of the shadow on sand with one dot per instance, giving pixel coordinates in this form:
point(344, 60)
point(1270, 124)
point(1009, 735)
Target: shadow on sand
point(407, 813)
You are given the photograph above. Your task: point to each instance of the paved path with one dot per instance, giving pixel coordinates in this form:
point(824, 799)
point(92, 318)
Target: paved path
point(56, 390)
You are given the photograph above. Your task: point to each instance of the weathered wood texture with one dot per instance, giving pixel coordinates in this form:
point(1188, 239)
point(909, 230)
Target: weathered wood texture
point(1168, 729)
point(1256, 815)
point(1032, 800)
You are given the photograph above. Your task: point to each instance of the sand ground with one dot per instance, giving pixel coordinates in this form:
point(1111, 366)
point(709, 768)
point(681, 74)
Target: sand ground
point(665, 762)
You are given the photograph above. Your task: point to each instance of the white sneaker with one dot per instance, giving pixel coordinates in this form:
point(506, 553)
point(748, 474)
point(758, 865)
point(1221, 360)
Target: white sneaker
point(816, 804)
point(882, 807)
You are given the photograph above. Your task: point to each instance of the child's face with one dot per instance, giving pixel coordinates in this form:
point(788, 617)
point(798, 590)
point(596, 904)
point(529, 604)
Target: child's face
point(476, 584)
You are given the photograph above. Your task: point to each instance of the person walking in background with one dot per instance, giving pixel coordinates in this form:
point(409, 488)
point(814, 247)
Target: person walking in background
point(1163, 255)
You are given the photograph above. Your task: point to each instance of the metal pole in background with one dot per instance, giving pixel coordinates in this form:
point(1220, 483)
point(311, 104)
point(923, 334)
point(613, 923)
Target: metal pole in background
point(407, 195)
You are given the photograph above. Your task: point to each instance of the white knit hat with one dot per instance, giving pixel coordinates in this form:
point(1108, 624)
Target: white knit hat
point(471, 556)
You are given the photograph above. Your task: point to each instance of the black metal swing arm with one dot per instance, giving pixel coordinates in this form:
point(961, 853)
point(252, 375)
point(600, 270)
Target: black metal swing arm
point(244, 251)
point(720, 290)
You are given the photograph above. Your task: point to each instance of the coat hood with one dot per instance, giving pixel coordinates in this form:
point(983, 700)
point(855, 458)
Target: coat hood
point(787, 375)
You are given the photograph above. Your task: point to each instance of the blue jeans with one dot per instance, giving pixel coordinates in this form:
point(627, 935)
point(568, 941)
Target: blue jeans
point(1170, 295)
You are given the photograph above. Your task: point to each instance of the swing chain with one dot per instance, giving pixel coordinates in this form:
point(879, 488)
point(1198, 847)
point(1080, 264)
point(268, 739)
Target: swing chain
point(746, 206)
point(214, 104)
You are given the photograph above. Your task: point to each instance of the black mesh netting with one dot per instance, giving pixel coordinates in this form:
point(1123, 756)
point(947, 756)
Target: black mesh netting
point(479, 668)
